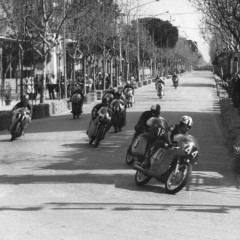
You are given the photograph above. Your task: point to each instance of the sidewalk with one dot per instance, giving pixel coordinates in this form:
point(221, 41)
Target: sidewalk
point(87, 107)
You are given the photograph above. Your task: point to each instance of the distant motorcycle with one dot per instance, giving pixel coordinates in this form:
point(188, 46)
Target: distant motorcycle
point(175, 81)
point(119, 114)
point(99, 127)
point(129, 97)
point(160, 88)
point(21, 119)
point(172, 167)
point(109, 96)
point(77, 102)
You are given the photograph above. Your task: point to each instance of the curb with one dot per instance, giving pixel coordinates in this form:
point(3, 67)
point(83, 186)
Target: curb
point(231, 122)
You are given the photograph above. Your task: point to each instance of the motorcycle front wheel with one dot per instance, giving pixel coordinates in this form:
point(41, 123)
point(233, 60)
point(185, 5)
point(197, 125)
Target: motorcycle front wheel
point(176, 181)
point(16, 131)
point(129, 156)
point(141, 178)
point(99, 136)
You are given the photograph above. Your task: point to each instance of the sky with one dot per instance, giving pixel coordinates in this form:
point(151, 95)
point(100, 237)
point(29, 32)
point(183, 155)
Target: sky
point(180, 13)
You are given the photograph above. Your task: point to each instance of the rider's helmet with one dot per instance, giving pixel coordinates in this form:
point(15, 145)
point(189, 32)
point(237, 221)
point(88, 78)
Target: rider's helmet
point(105, 101)
point(155, 109)
point(25, 99)
point(185, 124)
point(118, 94)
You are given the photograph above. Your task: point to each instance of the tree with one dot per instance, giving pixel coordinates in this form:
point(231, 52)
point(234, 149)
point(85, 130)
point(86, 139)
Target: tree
point(221, 17)
point(160, 30)
point(38, 22)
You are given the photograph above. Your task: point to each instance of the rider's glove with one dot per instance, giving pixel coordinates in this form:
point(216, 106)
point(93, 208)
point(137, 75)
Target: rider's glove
point(168, 145)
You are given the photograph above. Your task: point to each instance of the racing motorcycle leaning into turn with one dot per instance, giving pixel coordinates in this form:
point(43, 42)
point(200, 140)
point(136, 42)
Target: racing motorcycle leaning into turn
point(172, 166)
point(21, 118)
point(99, 126)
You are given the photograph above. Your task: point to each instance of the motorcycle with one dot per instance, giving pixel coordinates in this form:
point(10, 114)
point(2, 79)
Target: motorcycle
point(99, 127)
point(139, 147)
point(119, 114)
point(175, 81)
point(160, 87)
point(109, 97)
point(173, 166)
point(77, 102)
point(21, 119)
point(129, 97)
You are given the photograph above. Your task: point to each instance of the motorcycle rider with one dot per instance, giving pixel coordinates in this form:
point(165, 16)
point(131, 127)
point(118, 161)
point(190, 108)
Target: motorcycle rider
point(152, 127)
point(160, 84)
point(121, 99)
point(23, 103)
point(78, 90)
point(141, 125)
point(120, 96)
point(129, 87)
point(96, 108)
point(174, 77)
point(110, 91)
point(184, 125)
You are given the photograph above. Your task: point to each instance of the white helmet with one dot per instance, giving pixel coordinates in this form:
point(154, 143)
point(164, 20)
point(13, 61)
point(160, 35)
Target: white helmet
point(187, 120)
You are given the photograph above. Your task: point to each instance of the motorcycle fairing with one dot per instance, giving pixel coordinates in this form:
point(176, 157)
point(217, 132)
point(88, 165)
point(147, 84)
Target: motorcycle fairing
point(162, 158)
point(139, 146)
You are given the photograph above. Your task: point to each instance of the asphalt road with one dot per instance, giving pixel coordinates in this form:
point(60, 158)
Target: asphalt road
point(54, 186)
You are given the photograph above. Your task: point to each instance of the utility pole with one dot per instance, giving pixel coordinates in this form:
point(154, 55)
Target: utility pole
point(64, 53)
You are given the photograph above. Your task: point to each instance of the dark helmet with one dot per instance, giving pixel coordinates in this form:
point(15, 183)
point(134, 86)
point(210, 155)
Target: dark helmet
point(118, 94)
point(156, 109)
point(25, 98)
point(105, 101)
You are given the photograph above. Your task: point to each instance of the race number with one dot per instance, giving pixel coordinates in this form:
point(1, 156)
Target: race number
point(191, 151)
point(161, 131)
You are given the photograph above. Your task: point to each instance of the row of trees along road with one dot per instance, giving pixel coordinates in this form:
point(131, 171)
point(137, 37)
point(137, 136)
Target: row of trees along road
point(221, 27)
point(99, 33)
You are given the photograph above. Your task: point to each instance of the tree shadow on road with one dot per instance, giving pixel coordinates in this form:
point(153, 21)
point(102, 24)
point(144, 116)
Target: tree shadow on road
point(83, 163)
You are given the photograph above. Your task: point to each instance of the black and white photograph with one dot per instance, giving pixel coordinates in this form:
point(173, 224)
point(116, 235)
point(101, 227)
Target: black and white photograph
point(119, 119)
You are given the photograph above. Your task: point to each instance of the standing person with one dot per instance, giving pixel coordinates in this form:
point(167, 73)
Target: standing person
point(234, 90)
point(51, 86)
point(238, 89)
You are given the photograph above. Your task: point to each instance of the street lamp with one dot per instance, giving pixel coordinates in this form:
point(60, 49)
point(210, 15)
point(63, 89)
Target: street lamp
point(138, 54)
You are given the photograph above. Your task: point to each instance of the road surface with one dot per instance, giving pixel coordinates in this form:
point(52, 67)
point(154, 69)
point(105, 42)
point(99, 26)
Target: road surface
point(54, 186)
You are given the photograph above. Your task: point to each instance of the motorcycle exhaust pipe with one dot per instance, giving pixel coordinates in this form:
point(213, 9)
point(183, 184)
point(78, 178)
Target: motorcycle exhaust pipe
point(139, 168)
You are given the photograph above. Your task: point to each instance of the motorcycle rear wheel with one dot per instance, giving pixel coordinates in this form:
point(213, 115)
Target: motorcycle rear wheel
point(142, 178)
point(176, 182)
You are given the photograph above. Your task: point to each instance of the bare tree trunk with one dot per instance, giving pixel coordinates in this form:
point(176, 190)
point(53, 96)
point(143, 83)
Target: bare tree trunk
point(43, 90)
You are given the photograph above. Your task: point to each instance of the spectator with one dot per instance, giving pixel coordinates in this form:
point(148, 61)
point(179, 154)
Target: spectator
point(51, 86)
